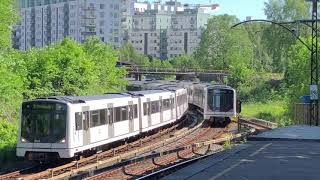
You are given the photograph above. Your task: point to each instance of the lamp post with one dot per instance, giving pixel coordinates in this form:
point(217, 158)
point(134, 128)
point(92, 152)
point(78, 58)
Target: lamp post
point(314, 72)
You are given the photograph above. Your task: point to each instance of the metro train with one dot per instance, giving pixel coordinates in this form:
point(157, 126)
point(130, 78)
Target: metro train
point(67, 126)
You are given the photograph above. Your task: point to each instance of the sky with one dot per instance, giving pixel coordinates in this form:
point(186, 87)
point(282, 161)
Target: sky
point(240, 8)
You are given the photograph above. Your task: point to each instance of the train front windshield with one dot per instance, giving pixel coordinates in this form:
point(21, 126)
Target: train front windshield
point(43, 122)
point(220, 100)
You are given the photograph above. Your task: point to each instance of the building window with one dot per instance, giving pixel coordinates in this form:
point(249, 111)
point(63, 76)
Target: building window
point(116, 7)
point(101, 6)
point(102, 14)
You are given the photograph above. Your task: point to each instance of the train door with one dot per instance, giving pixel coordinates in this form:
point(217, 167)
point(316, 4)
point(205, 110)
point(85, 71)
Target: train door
point(131, 121)
point(140, 114)
point(149, 112)
point(86, 125)
point(161, 109)
point(205, 103)
point(171, 106)
point(175, 104)
point(110, 117)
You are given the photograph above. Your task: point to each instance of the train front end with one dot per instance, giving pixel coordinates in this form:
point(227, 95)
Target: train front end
point(221, 103)
point(43, 130)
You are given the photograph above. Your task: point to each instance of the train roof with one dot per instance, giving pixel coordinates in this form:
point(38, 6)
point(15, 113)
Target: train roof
point(83, 99)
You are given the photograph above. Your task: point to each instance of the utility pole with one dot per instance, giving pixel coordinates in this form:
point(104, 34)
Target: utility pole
point(314, 104)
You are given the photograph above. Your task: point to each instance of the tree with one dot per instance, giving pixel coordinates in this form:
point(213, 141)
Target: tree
point(129, 54)
point(60, 69)
point(184, 62)
point(68, 68)
point(11, 85)
point(8, 17)
point(220, 46)
point(105, 58)
point(276, 40)
point(297, 75)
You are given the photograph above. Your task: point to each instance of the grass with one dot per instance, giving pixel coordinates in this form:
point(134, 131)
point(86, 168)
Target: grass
point(271, 111)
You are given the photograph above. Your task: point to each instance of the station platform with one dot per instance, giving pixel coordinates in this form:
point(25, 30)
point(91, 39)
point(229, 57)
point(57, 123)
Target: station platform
point(285, 153)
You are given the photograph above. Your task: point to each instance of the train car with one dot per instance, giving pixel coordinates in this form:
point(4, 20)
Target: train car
point(216, 102)
point(64, 127)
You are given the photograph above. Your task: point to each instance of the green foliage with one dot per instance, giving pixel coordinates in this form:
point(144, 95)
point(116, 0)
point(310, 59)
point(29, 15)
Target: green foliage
point(8, 17)
point(227, 144)
point(8, 140)
point(129, 54)
point(11, 85)
point(184, 62)
point(157, 63)
point(8, 134)
point(60, 69)
point(275, 111)
point(105, 59)
point(68, 68)
point(220, 46)
point(297, 76)
point(276, 40)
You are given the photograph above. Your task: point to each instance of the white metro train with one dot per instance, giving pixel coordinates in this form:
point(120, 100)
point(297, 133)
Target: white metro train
point(63, 127)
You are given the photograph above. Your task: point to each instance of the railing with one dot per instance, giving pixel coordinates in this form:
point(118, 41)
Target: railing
point(302, 113)
point(144, 69)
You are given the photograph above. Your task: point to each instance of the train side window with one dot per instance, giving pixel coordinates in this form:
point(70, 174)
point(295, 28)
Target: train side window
point(164, 105)
point(103, 117)
point(78, 118)
point(118, 114)
point(94, 118)
point(124, 113)
point(135, 111)
point(145, 112)
point(168, 104)
point(154, 107)
point(110, 115)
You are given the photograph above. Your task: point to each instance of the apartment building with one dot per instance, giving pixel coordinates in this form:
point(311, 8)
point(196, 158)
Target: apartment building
point(164, 34)
point(160, 30)
point(47, 21)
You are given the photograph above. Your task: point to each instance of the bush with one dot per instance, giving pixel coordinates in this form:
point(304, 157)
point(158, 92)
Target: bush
point(8, 139)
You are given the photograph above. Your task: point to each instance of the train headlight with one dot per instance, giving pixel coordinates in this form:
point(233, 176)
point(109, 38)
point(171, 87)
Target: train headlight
point(23, 140)
point(234, 118)
point(62, 140)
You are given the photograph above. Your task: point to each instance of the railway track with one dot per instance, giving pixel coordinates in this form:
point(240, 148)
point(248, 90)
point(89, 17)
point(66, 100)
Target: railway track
point(172, 153)
point(175, 144)
point(175, 157)
point(258, 124)
point(112, 156)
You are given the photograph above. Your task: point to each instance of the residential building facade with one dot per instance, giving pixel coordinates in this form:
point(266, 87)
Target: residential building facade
point(47, 21)
point(160, 30)
point(164, 34)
